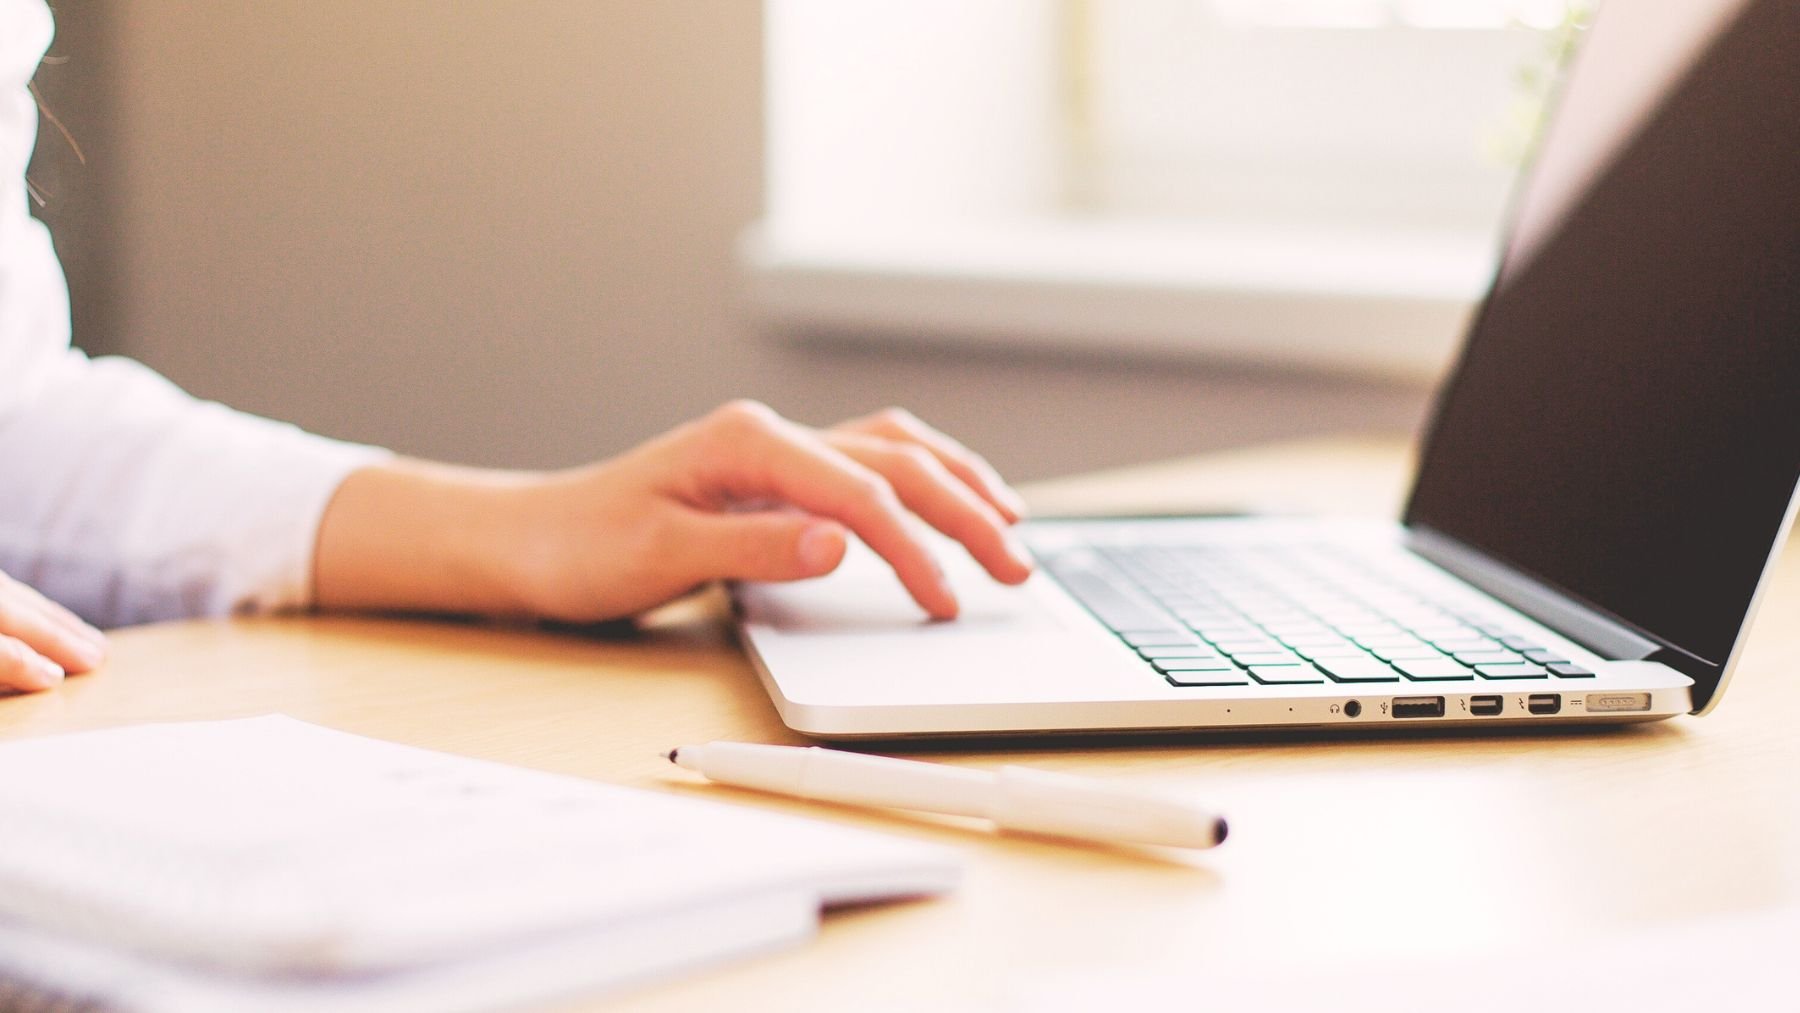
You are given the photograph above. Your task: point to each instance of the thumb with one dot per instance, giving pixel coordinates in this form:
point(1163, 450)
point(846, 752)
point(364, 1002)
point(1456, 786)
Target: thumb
point(771, 545)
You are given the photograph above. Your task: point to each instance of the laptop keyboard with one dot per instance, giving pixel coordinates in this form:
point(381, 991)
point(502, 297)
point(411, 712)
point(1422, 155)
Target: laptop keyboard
point(1288, 615)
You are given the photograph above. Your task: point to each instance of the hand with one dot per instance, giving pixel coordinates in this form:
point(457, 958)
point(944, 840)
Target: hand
point(746, 494)
point(739, 494)
point(40, 640)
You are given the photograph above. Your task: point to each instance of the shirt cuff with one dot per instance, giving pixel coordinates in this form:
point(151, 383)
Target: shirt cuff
point(273, 569)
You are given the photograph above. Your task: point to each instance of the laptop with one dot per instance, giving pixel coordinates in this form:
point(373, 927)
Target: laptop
point(1610, 470)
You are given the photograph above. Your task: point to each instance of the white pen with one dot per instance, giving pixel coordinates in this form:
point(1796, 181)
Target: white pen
point(1015, 798)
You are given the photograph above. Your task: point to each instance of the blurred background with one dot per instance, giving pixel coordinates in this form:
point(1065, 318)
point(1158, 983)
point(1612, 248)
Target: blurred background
point(1076, 233)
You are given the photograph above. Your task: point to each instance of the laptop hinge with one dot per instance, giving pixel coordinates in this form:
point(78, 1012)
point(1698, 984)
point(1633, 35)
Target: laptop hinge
point(1593, 630)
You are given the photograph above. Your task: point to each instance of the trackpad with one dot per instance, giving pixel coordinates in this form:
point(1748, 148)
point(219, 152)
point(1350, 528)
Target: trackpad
point(864, 597)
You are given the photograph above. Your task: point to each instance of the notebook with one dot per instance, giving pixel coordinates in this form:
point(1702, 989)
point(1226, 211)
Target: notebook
point(266, 863)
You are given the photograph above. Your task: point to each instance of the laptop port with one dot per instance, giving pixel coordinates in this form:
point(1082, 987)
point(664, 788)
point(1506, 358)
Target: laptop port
point(1544, 703)
point(1605, 703)
point(1485, 706)
point(1418, 706)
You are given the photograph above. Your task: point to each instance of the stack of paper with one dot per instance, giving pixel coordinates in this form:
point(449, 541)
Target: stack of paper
point(270, 864)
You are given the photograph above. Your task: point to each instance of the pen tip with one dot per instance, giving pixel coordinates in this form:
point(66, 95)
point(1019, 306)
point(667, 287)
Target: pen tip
point(670, 755)
point(1220, 829)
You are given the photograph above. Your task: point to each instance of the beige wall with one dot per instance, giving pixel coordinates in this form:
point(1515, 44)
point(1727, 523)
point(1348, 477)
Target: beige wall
point(503, 233)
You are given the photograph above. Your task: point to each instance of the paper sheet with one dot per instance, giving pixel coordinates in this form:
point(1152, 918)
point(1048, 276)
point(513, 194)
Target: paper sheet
point(269, 846)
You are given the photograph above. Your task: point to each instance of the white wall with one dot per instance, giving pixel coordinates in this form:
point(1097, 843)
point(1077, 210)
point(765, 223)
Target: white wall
point(503, 233)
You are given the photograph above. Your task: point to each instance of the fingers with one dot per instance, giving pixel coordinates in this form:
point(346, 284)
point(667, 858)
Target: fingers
point(48, 629)
point(902, 426)
point(25, 670)
point(928, 488)
point(748, 453)
point(773, 545)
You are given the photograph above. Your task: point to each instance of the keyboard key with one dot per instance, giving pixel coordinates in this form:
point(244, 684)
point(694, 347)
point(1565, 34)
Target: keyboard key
point(1320, 643)
point(1167, 665)
point(1370, 631)
point(1285, 675)
point(1432, 670)
point(1235, 632)
point(1231, 677)
point(1435, 633)
point(1248, 646)
point(1160, 638)
point(1104, 594)
point(1457, 645)
point(1255, 658)
point(1266, 617)
point(1520, 671)
point(1418, 653)
point(1298, 629)
point(1332, 654)
point(1203, 618)
point(1190, 651)
point(1521, 644)
point(1488, 658)
point(1391, 641)
point(1564, 670)
point(1325, 639)
point(1364, 669)
point(1545, 657)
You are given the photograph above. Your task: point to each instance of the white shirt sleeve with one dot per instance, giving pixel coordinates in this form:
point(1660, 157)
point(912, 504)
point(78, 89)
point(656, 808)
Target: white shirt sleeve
point(121, 496)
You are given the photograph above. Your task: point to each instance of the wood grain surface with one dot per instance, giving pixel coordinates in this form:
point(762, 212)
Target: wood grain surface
point(1361, 850)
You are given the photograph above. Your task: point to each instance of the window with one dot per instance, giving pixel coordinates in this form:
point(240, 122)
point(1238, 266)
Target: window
point(1314, 181)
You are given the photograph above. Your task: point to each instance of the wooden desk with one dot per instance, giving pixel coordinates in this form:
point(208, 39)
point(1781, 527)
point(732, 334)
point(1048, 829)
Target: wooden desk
point(1341, 848)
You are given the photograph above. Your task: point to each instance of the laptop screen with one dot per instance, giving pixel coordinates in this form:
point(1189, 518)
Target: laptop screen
point(1624, 423)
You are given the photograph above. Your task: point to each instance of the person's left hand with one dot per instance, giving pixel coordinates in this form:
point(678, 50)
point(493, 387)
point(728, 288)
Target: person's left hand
point(40, 640)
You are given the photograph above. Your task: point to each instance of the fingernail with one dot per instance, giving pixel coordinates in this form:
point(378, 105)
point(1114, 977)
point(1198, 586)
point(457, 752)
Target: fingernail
point(950, 608)
point(818, 548)
point(1015, 547)
point(1015, 503)
point(944, 589)
point(48, 672)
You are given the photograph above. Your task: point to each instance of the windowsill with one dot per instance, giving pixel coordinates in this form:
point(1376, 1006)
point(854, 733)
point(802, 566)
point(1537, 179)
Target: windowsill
point(1385, 304)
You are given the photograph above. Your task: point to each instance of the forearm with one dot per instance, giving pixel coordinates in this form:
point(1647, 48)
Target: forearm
point(414, 536)
point(129, 501)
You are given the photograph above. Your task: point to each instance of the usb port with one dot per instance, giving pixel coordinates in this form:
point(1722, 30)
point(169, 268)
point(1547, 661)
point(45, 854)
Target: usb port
point(1418, 706)
point(1485, 706)
point(1544, 703)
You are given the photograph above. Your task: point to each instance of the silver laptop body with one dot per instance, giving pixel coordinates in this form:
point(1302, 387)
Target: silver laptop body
point(1611, 469)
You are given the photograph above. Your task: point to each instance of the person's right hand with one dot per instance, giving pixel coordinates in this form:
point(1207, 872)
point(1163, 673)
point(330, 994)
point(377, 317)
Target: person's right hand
point(40, 640)
point(740, 494)
point(744, 494)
